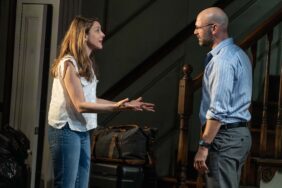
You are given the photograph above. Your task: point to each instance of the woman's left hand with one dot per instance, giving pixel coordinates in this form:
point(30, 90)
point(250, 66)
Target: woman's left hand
point(139, 105)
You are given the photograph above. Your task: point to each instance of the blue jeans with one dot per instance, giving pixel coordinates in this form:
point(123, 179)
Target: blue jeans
point(70, 151)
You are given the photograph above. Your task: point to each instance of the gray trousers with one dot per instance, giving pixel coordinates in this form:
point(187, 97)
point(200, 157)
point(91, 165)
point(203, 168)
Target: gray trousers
point(226, 157)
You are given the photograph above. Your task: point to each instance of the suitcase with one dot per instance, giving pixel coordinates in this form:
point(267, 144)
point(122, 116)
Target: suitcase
point(105, 175)
point(127, 144)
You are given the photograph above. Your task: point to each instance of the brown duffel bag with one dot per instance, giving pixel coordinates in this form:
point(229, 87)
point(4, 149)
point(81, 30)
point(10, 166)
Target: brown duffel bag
point(128, 144)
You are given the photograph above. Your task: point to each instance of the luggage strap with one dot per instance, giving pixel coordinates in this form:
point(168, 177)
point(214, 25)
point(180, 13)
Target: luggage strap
point(112, 146)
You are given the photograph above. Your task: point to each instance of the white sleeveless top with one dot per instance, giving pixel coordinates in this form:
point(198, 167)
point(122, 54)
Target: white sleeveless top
point(61, 109)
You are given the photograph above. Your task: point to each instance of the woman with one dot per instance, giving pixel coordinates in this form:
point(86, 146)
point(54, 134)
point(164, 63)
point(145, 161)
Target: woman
point(74, 105)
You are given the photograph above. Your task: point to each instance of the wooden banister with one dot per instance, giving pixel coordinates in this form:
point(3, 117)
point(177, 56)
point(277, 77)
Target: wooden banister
point(197, 81)
point(262, 29)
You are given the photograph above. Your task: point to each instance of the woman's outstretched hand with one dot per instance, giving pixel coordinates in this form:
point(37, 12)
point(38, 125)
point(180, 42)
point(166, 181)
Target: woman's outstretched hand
point(139, 105)
point(135, 105)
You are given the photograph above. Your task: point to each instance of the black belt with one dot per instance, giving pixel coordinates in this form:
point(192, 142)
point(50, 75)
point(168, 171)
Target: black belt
point(233, 125)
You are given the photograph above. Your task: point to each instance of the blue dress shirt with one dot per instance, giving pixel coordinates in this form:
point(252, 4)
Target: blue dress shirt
point(227, 85)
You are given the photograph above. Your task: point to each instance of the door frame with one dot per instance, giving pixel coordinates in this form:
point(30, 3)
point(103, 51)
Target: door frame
point(42, 152)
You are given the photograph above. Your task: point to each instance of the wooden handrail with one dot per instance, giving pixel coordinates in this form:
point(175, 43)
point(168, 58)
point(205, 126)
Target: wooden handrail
point(197, 81)
point(155, 58)
point(262, 29)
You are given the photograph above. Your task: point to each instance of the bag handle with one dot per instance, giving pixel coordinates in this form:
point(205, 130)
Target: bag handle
point(126, 127)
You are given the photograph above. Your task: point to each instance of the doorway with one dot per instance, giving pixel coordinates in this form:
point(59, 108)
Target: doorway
point(29, 92)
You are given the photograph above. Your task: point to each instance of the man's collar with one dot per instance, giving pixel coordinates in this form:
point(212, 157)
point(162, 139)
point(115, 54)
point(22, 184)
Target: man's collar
point(221, 45)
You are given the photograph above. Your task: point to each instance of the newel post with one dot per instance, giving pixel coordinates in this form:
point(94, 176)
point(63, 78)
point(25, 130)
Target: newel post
point(185, 106)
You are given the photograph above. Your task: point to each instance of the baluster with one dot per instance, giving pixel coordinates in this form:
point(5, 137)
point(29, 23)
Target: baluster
point(263, 130)
point(185, 106)
point(254, 54)
point(278, 129)
point(247, 165)
point(254, 61)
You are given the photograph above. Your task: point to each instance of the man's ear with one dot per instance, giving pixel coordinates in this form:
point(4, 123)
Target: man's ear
point(214, 28)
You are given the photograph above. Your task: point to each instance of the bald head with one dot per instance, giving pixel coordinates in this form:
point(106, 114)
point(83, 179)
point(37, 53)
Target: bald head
point(211, 27)
point(214, 15)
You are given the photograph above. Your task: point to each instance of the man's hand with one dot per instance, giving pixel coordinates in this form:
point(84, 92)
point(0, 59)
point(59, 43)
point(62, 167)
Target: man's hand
point(211, 129)
point(200, 160)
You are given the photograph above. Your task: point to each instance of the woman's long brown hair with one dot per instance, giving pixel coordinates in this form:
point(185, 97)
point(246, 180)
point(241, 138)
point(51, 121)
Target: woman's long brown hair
point(74, 44)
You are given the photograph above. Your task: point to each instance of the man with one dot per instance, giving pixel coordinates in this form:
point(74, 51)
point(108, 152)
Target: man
point(226, 97)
